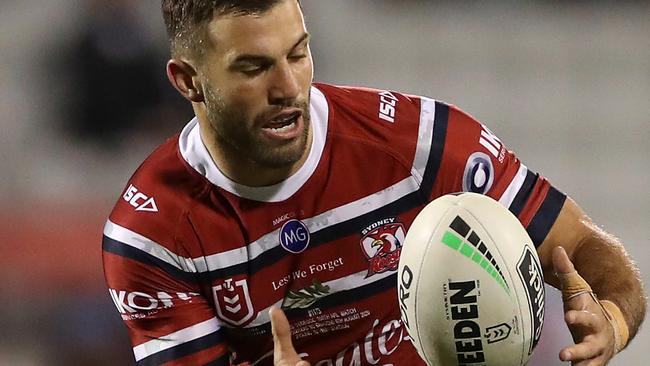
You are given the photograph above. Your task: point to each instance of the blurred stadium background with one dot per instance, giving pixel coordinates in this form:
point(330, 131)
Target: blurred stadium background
point(83, 99)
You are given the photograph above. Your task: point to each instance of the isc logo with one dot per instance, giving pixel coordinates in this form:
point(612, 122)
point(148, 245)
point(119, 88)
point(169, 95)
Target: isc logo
point(139, 200)
point(387, 105)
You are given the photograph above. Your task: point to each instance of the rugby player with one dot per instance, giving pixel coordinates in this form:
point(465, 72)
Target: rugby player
point(269, 230)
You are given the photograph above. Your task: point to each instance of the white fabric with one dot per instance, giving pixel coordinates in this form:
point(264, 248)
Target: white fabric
point(175, 339)
point(513, 188)
point(196, 154)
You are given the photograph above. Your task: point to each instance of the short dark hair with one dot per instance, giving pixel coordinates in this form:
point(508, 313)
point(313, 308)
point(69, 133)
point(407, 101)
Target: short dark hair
point(186, 20)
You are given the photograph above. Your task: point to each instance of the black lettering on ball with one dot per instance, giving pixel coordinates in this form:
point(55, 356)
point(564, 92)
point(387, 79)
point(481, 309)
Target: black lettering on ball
point(406, 280)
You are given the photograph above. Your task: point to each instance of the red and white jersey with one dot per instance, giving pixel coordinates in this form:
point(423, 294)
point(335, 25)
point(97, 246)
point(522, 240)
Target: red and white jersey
point(194, 260)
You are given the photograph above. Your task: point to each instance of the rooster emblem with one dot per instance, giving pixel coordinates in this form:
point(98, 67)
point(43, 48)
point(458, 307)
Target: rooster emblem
point(382, 247)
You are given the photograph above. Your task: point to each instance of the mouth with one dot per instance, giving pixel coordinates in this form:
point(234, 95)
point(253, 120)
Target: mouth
point(285, 125)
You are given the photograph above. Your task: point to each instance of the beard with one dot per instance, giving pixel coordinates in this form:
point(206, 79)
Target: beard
point(236, 134)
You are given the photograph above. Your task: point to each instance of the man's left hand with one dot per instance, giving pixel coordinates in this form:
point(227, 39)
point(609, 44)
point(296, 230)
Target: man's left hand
point(592, 332)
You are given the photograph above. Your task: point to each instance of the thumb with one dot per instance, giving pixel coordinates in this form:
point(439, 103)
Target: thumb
point(571, 283)
point(281, 330)
point(561, 262)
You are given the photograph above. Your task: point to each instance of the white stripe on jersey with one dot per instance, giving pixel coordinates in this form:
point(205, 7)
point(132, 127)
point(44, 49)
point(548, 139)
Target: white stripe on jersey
point(425, 137)
point(315, 224)
point(137, 241)
point(348, 282)
point(177, 338)
point(513, 188)
point(350, 210)
point(321, 221)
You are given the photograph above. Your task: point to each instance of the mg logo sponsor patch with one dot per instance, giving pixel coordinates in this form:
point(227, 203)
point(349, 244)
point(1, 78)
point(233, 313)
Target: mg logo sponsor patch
point(530, 273)
point(233, 302)
point(294, 236)
point(382, 245)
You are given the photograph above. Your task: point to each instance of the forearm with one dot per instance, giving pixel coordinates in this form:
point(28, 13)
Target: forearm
point(603, 262)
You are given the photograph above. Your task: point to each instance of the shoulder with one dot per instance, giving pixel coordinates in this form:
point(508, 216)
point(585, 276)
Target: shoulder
point(158, 196)
point(380, 121)
point(371, 105)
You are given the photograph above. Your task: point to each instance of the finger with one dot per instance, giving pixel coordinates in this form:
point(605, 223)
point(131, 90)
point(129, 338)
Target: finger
point(571, 283)
point(561, 262)
point(584, 319)
point(281, 330)
point(581, 352)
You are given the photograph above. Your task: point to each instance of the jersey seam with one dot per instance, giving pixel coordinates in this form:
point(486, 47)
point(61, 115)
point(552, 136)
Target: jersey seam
point(393, 155)
point(189, 201)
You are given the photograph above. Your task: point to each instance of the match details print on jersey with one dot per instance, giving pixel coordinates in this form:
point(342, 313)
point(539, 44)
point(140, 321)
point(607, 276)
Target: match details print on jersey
point(194, 263)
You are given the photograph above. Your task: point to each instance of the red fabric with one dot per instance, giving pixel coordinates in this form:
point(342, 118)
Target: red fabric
point(364, 155)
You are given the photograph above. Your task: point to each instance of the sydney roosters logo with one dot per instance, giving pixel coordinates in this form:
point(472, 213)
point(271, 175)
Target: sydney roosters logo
point(382, 245)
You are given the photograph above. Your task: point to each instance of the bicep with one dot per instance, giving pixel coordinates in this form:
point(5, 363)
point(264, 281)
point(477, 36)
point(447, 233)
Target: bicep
point(168, 320)
point(569, 230)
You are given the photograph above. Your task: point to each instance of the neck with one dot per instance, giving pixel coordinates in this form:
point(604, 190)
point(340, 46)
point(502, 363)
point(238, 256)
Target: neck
point(242, 170)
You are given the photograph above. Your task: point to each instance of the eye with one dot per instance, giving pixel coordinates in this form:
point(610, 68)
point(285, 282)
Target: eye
point(297, 56)
point(299, 53)
point(253, 70)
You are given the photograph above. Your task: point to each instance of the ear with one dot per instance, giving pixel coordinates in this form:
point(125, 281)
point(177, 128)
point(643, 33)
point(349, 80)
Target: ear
point(184, 78)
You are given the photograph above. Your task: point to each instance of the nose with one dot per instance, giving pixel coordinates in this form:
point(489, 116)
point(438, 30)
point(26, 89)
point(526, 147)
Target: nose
point(284, 87)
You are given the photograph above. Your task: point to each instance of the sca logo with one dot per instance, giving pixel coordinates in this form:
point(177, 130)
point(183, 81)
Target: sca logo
point(382, 245)
point(294, 236)
point(139, 200)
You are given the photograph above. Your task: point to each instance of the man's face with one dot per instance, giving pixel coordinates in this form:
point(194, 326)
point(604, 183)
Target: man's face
point(256, 78)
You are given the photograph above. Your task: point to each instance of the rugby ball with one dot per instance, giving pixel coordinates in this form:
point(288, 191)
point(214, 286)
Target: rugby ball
point(470, 284)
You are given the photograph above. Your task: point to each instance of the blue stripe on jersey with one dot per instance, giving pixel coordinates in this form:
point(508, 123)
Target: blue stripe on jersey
point(323, 236)
point(546, 216)
point(327, 302)
point(187, 349)
point(437, 147)
point(351, 295)
point(526, 189)
point(123, 250)
point(350, 227)
point(320, 237)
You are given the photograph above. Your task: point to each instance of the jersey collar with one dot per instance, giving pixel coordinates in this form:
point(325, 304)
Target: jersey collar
point(197, 156)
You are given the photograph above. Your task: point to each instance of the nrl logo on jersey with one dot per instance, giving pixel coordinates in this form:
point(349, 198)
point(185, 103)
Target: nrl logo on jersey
point(382, 245)
point(233, 302)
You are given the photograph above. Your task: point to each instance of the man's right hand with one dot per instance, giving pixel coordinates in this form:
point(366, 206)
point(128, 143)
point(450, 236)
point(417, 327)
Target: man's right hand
point(283, 352)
